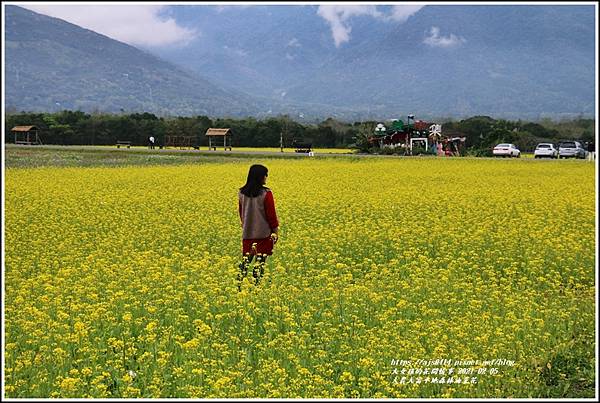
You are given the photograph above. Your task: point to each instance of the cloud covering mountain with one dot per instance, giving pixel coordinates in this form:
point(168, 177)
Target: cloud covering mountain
point(52, 65)
point(137, 25)
point(338, 17)
point(524, 61)
point(367, 60)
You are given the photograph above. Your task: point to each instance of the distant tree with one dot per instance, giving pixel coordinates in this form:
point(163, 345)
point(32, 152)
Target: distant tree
point(500, 131)
point(526, 141)
point(325, 136)
point(482, 132)
point(342, 132)
point(58, 133)
point(477, 130)
point(587, 135)
point(361, 140)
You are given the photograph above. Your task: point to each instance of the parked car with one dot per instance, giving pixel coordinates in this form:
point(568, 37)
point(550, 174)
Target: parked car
point(545, 150)
point(571, 149)
point(506, 150)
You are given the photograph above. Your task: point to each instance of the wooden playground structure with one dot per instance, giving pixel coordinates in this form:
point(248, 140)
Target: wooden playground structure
point(181, 141)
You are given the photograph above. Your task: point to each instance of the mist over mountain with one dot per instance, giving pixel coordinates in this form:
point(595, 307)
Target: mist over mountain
point(53, 65)
point(523, 61)
point(517, 61)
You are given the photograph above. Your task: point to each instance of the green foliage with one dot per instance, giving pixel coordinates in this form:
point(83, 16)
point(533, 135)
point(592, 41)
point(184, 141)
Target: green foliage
point(482, 132)
point(361, 138)
point(420, 150)
point(568, 369)
point(388, 151)
point(580, 128)
point(479, 152)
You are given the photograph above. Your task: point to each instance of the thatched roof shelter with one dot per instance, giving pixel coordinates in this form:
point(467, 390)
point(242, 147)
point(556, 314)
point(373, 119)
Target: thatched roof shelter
point(28, 135)
point(24, 128)
point(226, 134)
point(218, 132)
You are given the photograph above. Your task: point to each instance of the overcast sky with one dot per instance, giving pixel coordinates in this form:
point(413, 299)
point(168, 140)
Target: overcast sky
point(149, 25)
point(130, 23)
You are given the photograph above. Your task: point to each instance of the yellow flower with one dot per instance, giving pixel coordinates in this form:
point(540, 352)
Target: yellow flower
point(112, 285)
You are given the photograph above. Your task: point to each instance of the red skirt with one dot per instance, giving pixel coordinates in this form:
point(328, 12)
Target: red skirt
point(263, 246)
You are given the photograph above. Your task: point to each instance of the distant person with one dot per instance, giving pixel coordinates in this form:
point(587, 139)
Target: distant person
point(151, 142)
point(260, 225)
point(591, 148)
point(447, 149)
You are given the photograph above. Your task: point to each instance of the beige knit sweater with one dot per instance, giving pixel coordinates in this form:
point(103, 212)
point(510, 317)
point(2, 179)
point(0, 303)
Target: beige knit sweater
point(255, 220)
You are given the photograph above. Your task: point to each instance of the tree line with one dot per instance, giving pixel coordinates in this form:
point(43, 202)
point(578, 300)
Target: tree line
point(80, 128)
point(483, 133)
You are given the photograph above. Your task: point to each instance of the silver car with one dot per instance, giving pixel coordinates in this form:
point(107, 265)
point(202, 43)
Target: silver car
point(571, 149)
point(545, 150)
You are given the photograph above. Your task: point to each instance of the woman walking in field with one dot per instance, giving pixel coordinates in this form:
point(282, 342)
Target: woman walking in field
point(260, 226)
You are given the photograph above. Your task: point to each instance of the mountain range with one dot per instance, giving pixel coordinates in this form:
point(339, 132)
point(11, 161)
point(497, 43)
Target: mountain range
point(523, 61)
point(52, 65)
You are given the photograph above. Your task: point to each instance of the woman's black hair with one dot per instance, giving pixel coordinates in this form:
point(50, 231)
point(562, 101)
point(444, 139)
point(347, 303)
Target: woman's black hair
point(254, 183)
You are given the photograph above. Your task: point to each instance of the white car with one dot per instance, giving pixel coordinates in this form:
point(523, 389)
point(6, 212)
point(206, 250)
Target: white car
point(545, 150)
point(506, 150)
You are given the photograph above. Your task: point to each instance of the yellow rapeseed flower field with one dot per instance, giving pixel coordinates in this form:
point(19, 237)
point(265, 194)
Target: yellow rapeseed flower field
point(121, 282)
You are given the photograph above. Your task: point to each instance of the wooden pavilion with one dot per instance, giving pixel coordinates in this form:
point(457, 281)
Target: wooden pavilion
point(28, 135)
point(215, 134)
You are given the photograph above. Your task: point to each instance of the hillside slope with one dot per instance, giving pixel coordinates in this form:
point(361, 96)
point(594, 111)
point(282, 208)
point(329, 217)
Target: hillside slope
point(52, 64)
